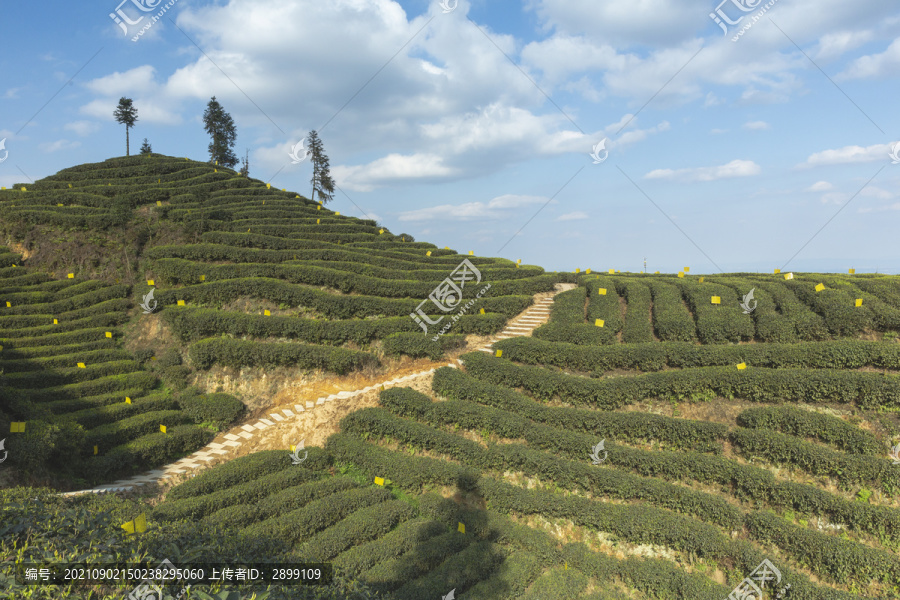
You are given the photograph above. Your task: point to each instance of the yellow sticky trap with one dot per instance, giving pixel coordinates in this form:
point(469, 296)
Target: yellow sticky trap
point(428, 253)
point(71, 275)
point(657, 272)
point(380, 231)
point(788, 276)
point(381, 388)
point(82, 366)
point(59, 203)
point(777, 271)
point(820, 287)
point(852, 271)
point(70, 185)
point(859, 302)
point(268, 186)
point(17, 427)
point(55, 322)
point(379, 481)
point(96, 450)
point(264, 202)
point(181, 303)
point(716, 300)
point(248, 230)
point(499, 353)
point(687, 269)
point(9, 305)
point(317, 221)
point(446, 247)
point(578, 270)
point(337, 214)
point(742, 366)
point(471, 253)
point(215, 170)
point(267, 313)
point(283, 190)
point(519, 261)
point(150, 282)
point(599, 322)
point(612, 271)
point(681, 274)
point(157, 181)
point(203, 278)
point(109, 334)
point(159, 202)
point(461, 528)
point(481, 311)
point(127, 400)
point(588, 272)
point(24, 189)
point(319, 207)
point(602, 291)
point(162, 428)
point(701, 280)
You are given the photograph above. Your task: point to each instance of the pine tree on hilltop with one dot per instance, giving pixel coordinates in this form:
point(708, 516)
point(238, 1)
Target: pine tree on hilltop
point(126, 114)
point(245, 165)
point(220, 126)
point(145, 147)
point(321, 179)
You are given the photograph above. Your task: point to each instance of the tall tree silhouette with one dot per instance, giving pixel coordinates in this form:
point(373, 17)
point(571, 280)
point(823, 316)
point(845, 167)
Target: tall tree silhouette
point(322, 183)
point(126, 114)
point(146, 148)
point(220, 126)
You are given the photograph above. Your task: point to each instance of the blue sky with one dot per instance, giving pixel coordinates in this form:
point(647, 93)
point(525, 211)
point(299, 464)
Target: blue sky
point(473, 128)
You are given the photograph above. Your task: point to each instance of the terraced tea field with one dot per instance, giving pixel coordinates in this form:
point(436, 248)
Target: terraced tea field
point(661, 437)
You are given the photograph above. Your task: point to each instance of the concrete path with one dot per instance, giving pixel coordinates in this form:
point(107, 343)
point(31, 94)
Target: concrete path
point(521, 325)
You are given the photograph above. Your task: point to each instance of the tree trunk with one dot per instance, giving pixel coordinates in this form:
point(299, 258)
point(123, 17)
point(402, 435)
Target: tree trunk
point(127, 148)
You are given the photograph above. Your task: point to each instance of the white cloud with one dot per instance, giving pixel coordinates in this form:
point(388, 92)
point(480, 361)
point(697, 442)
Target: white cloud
point(578, 215)
point(756, 125)
point(834, 45)
point(820, 186)
point(134, 81)
point(834, 198)
point(391, 169)
point(848, 155)
point(58, 145)
point(878, 193)
point(149, 111)
point(82, 128)
point(885, 64)
point(736, 168)
point(469, 211)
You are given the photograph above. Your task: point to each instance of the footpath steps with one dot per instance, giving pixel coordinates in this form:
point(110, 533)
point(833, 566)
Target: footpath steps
point(522, 324)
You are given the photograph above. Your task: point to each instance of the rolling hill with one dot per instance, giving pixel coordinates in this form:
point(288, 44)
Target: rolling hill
point(661, 437)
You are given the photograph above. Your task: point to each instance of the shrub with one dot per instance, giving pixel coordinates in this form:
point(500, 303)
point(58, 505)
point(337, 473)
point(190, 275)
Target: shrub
point(218, 408)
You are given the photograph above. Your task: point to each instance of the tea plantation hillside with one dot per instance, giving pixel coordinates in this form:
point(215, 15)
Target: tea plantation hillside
point(208, 251)
point(662, 437)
